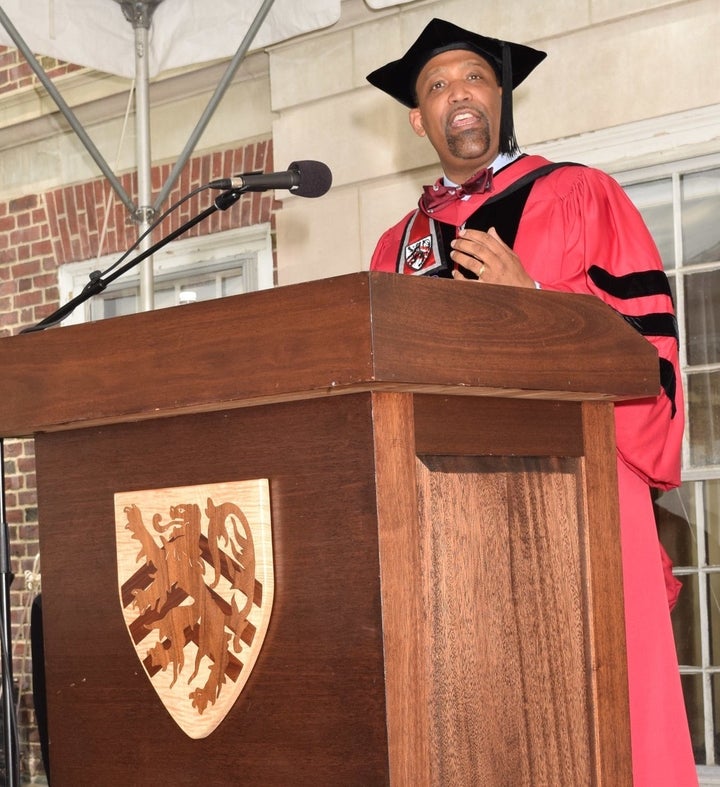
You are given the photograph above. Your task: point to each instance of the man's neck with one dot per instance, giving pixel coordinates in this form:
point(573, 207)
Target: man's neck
point(502, 160)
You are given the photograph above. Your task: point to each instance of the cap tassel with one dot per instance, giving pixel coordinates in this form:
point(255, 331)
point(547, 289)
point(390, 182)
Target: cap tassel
point(508, 142)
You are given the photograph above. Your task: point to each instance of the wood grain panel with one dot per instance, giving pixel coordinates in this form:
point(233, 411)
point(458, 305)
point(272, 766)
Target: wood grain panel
point(504, 598)
point(505, 337)
point(602, 567)
point(313, 710)
point(404, 634)
point(462, 425)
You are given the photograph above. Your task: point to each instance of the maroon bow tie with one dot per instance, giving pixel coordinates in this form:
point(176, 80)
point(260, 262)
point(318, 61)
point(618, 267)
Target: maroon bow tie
point(436, 196)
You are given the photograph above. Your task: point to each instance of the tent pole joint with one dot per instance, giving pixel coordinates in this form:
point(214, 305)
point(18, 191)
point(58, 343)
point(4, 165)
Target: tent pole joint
point(144, 214)
point(139, 12)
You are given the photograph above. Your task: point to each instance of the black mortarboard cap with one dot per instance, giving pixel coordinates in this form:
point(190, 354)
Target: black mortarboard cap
point(512, 63)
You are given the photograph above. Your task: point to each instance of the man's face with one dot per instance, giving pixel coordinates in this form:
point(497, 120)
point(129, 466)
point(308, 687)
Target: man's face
point(459, 102)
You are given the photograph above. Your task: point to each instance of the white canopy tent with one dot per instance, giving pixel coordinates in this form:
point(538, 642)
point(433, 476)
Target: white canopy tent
point(96, 33)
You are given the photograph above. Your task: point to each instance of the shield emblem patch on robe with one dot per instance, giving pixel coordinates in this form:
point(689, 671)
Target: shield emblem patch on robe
point(196, 583)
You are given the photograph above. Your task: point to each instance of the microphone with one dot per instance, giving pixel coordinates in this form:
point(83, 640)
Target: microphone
point(303, 178)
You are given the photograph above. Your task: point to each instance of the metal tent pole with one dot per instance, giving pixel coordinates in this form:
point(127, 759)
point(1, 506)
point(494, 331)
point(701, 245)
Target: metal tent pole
point(214, 101)
point(139, 13)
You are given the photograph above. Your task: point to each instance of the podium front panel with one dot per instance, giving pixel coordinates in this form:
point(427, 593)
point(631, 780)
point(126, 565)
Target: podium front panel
point(313, 710)
point(447, 606)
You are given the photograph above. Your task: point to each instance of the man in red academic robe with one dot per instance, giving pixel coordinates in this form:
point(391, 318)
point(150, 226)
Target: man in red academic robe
point(500, 217)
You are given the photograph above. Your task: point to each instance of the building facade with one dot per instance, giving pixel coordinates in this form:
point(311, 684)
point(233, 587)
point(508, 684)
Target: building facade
point(630, 86)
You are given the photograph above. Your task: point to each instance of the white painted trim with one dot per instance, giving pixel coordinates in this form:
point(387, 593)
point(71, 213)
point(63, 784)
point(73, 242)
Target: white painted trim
point(643, 143)
point(182, 257)
point(708, 776)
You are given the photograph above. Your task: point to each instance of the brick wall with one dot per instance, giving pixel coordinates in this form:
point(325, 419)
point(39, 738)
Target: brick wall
point(39, 233)
point(16, 74)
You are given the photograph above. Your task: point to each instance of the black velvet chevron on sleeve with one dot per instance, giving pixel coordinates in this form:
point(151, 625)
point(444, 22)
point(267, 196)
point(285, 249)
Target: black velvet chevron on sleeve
point(631, 285)
point(638, 285)
point(668, 383)
point(657, 324)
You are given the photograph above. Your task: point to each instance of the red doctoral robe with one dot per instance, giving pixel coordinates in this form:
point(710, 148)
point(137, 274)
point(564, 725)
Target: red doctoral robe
point(579, 232)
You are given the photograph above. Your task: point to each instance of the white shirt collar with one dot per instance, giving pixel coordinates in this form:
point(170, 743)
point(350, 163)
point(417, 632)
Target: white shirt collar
point(501, 161)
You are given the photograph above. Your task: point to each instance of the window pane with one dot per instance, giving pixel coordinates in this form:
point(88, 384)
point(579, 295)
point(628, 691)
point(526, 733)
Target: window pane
point(700, 206)
point(204, 290)
point(654, 201)
point(675, 516)
point(164, 297)
point(714, 612)
point(702, 317)
point(686, 623)
point(233, 285)
point(703, 395)
point(692, 689)
point(118, 305)
point(711, 502)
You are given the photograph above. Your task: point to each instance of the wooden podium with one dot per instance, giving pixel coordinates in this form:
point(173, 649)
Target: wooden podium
point(440, 456)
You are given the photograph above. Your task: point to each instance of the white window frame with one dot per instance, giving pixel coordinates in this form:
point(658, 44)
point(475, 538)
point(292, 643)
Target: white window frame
point(185, 257)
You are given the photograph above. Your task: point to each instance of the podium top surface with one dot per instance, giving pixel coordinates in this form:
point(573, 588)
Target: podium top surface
point(360, 332)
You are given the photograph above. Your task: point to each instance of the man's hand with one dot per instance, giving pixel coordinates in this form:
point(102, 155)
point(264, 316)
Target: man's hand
point(491, 260)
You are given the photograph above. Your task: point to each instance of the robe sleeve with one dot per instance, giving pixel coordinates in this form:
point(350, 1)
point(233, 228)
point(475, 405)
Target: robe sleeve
point(583, 234)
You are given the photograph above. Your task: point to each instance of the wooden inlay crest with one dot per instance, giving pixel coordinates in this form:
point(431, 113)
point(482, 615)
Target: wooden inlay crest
point(196, 584)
